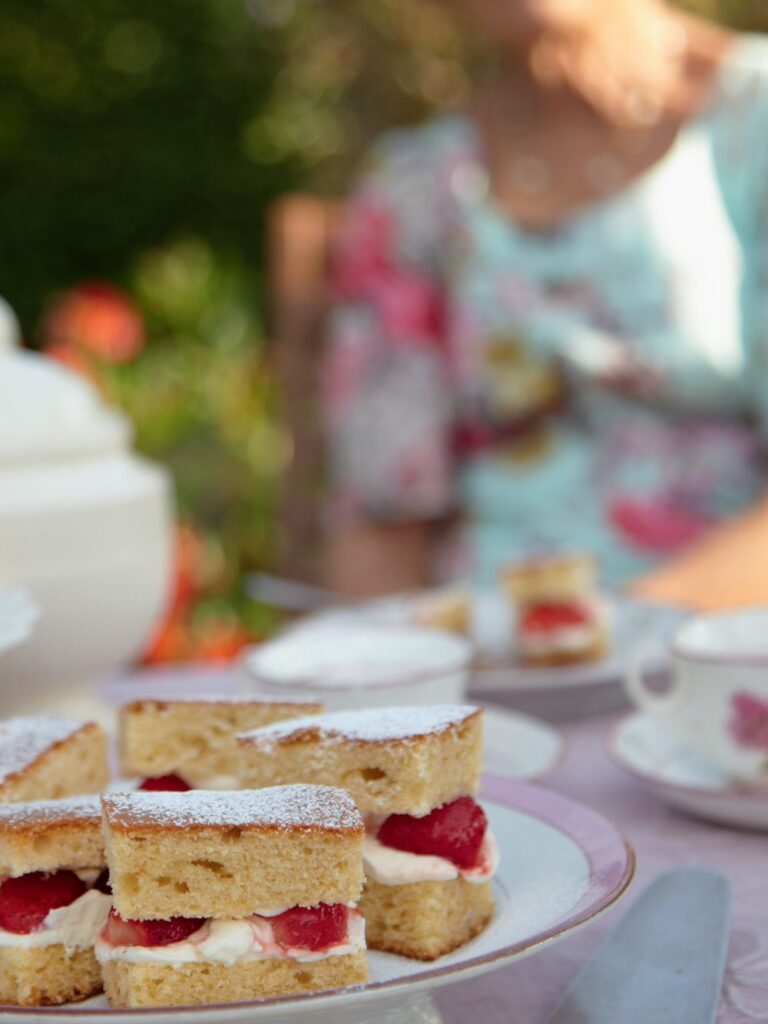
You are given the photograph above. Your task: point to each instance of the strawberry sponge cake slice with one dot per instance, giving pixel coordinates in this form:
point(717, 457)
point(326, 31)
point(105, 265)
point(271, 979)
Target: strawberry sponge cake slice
point(228, 896)
point(413, 772)
point(561, 617)
point(54, 899)
point(189, 742)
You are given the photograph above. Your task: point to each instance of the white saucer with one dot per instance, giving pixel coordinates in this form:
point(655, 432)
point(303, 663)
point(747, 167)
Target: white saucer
point(682, 778)
point(562, 866)
point(520, 746)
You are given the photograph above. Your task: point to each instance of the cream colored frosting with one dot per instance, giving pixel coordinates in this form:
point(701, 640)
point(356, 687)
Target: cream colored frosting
point(74, 927)
point(567, 638)
point(233, 941)
point(388, 866)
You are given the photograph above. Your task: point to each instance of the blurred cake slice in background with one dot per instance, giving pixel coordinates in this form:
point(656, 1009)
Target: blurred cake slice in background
point(45, 757)
point(449, 609)
point(561, 618)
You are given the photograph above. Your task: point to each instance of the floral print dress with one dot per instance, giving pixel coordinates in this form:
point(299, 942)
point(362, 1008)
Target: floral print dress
point(458, 378)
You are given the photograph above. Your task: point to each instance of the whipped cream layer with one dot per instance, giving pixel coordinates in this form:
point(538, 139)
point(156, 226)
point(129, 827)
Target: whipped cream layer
point(74, 927)
point(231, 942)
point(389, 866)
point(567, 638)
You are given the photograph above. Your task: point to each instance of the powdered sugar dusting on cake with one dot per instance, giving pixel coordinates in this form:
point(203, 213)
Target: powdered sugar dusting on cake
point(49, 812)
point(369, 725)
point(288, 807)
point(24, 739)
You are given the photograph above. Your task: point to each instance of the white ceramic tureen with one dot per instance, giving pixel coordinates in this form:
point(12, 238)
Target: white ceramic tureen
point(85, 529)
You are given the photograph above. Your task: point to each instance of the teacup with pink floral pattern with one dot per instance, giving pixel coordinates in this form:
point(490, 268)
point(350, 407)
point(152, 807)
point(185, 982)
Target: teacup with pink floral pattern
point(717, 699)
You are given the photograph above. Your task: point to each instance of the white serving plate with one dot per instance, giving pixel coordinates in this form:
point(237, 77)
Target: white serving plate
point(562, 866)
point(684, 779)
point(557, 692)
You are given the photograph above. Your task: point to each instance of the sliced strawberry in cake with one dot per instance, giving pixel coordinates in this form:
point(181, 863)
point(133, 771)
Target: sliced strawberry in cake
point(51, 903)
point(165, 784)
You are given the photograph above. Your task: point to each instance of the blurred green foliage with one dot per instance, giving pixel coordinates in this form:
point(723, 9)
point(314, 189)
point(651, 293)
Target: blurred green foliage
point(141, 142)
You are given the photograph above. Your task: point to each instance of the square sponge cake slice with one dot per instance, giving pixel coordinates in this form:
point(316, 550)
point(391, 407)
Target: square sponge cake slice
point(269, 879)
point(194, 737)
point(45, 757)
point(49, 960)
point(398, 760)
point(217, 854)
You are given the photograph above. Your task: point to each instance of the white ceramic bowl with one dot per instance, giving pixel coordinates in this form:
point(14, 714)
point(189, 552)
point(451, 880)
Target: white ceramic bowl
point(357, 665)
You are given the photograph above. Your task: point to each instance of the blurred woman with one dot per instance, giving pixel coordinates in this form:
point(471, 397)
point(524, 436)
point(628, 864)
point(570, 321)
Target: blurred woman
point(552, 317)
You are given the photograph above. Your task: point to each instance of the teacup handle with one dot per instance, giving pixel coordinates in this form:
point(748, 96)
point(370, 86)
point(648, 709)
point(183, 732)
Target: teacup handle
point(660, 704)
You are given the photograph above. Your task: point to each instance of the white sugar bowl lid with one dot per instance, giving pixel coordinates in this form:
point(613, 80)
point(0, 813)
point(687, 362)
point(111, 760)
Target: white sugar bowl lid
point(48, 412)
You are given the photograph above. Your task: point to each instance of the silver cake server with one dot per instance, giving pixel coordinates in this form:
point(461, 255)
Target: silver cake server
point(664, 961)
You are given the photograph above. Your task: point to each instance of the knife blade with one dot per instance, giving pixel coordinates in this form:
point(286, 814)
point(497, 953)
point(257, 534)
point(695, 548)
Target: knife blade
point(664, 961)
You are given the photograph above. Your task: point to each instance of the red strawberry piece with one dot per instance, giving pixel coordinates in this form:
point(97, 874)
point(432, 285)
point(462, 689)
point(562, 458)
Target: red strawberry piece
point(25, 901)
point(454, 831)
point(312, 928)
point(165, 784)
point(121, 931)
point(102, 883)
point(541, 618)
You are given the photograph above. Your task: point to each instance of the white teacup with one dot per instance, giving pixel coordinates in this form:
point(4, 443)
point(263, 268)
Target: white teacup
point(717, 700)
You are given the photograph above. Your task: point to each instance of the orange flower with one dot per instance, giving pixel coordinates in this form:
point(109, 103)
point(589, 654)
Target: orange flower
point(169, 643)
point(221, 642)
point(97, 318)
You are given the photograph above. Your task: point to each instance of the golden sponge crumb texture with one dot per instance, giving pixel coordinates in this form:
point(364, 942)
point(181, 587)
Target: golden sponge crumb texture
point(129, 985)
point(47, 975)
point(46, 757)
point(47, 835)
point(223, 854)
point(391, 760)
point(424, 920)
point(549, 578)
point(194, 737)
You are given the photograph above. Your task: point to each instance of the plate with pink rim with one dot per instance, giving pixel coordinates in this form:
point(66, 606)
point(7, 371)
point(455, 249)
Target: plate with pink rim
point(562, 866)
point(663, 763)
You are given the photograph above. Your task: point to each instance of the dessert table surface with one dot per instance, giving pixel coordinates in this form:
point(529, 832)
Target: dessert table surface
point(528, 991)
